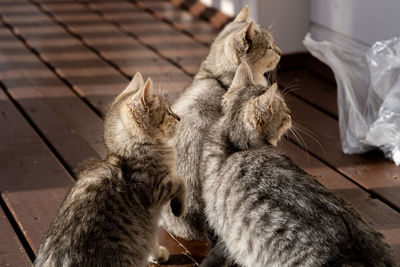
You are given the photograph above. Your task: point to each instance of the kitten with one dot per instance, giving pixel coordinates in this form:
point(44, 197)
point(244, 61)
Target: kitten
point(111, 215)
point(265, 210)
point(200, 106)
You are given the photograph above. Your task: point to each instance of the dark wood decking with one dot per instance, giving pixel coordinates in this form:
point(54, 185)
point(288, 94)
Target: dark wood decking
point(62, 62)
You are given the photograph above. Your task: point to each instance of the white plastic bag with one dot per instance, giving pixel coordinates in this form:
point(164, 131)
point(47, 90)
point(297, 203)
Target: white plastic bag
point(368, 94)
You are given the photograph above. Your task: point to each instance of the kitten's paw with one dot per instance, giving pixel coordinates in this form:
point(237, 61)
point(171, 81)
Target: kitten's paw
point(164, 254)
point(162, 257)
point(177, 207)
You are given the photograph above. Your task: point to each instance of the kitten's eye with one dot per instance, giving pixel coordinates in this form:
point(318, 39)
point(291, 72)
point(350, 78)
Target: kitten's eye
point(269, 46)
point(172, 114)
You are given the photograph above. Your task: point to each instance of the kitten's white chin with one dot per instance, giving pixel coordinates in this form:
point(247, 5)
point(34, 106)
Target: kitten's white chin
point(274, 142)
point(261, 80)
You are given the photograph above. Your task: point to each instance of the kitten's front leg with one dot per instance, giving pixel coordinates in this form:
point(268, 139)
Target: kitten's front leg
point(159, 254)
point(216, 257)
point(178, 199)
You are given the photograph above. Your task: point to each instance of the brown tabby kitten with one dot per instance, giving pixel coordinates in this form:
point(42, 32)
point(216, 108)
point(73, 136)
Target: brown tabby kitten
point(261, 208)
point(200, 106)
point(111, 215)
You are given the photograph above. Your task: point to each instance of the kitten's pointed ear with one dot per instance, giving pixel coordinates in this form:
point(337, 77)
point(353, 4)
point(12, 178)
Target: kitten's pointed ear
point(243, 76)
point(239, 43)
point(245, 37)
point(265, 100)
point(243, 15)
point(135, 84)
point(249, 31)
point(146, 91)
point(140, 100)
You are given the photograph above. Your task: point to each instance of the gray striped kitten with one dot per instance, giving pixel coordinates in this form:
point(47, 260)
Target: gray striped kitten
point(264, 209)
point(111, 215)
point(200, 106)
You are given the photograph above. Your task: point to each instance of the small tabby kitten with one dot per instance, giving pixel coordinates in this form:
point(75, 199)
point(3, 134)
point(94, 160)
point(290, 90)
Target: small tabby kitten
point(264, 209)
point(200, 106)
point(111, 215)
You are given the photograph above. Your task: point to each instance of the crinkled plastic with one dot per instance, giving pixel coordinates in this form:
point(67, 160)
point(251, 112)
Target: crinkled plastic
point(368, 94)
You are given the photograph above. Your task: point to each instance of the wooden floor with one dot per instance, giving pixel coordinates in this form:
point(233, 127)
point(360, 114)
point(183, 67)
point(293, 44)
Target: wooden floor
point(62, 62)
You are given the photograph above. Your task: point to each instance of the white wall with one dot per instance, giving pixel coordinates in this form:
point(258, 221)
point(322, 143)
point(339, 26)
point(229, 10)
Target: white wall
point(287, 19)
point(364, 21)
point(359, 22)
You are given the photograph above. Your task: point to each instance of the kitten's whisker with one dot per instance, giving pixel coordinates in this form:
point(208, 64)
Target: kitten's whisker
point(274, 75)
point(285, 87)
point(161, 89)
point(289, 89)
point(271, 28)
point(305, 129)
point(302, 144)
point(299, 139)
point(310, 134)
point(292, 84)
point(165, 90)
point(159, 85)
point(271, 76)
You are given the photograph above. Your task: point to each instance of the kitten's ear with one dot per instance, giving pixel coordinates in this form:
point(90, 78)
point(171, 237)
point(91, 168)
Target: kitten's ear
point(140, 99)
point(243, 76)
point(245, 37)
point(146, 91)
point(239, 43)
point(135, 84)
point(243, 15)
point(265, 100)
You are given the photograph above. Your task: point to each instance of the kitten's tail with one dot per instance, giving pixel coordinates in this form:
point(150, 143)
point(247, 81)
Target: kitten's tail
point(370, 247)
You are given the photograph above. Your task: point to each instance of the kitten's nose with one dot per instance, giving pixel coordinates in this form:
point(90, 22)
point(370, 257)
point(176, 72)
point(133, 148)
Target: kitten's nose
point(277, 50)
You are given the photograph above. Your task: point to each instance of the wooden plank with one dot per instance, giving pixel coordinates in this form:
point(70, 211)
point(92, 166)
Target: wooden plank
point(180, 19)
point(306, 60)
point(32, 181)
point(12, 252)
point(179, 255)
point(312, 88)
point(124, 51)
point(318, 67)
point(380, 216)
point(90, 76)
point(371, 170)
point(197, 249)
point(198, 9)
point(71, 127)
point(175, 45)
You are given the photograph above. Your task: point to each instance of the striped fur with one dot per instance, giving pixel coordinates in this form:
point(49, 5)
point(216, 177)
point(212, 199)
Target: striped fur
point(265, 211)
point(200, 106)
point(111, 215)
